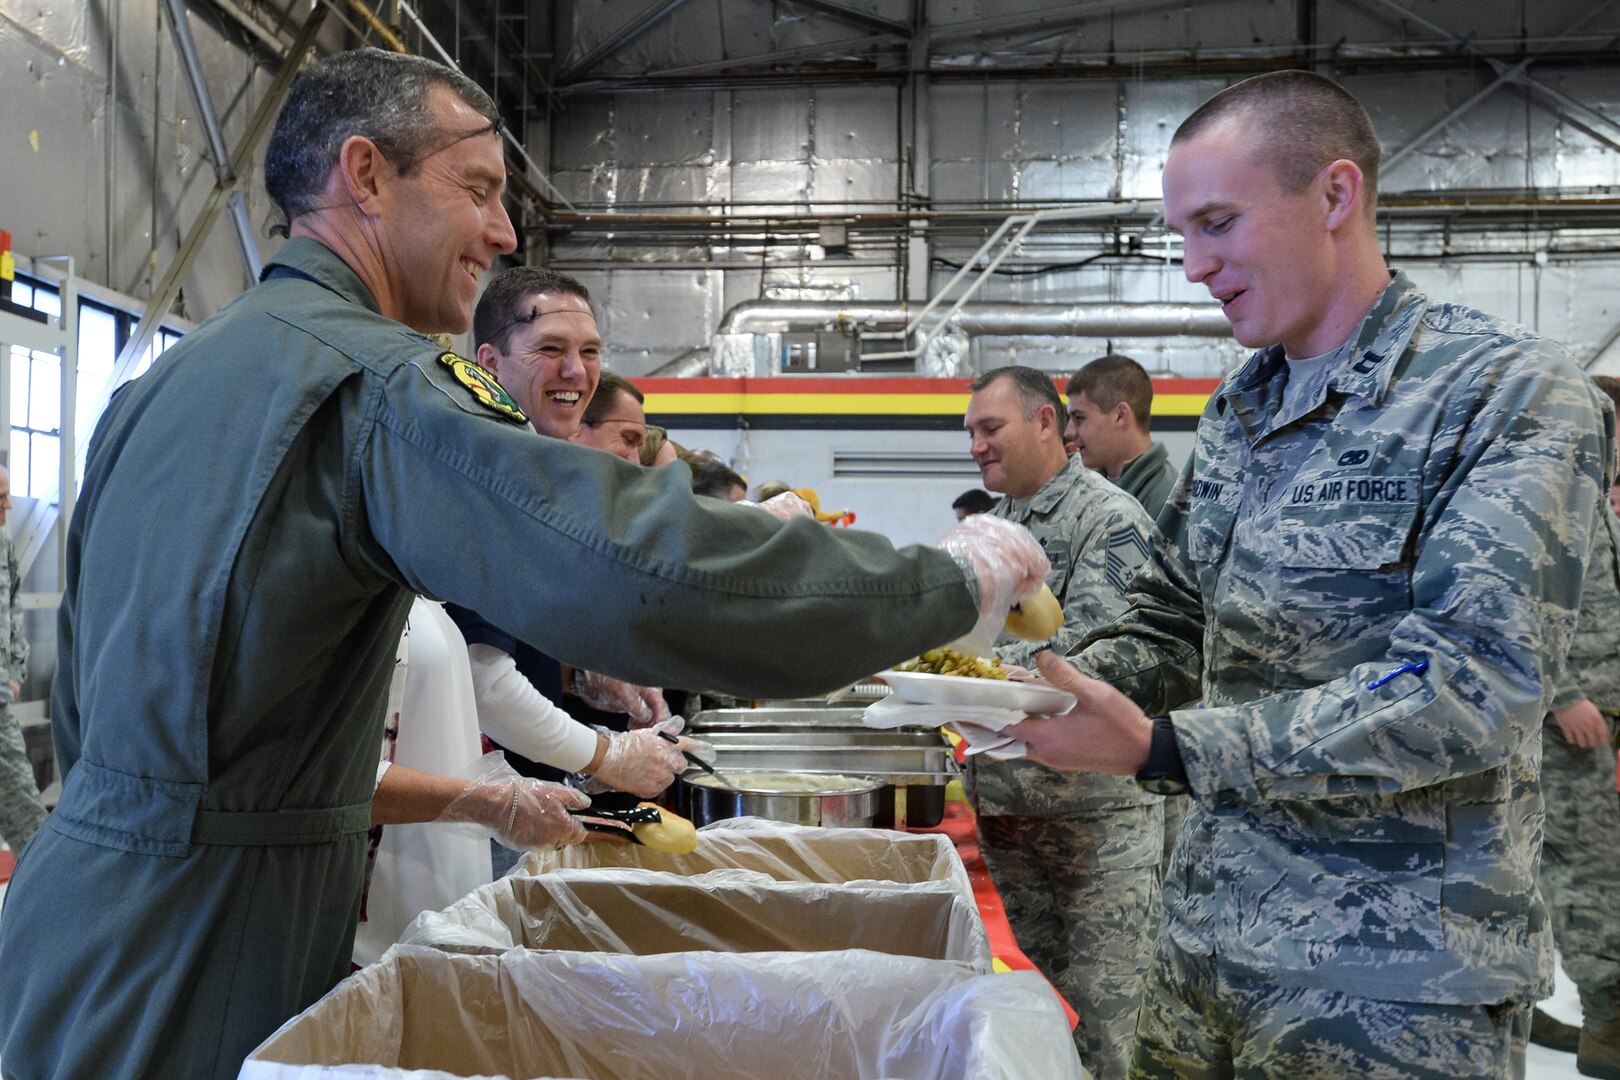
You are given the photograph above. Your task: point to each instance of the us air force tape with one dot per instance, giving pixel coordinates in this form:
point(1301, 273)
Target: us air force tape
point(484, 386)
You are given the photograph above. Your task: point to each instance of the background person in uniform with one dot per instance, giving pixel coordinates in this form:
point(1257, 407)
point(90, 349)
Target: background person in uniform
point(716, 480)
point(614, 419)
point(972, 501)
point(535, 330)
point(1580, 870)
point(658, 449)
point(21, 810)
point(770, 489)
point(615, 422)
point(218, 701)
point(1373, 560)
point(1109, 425)
point(1074, 856)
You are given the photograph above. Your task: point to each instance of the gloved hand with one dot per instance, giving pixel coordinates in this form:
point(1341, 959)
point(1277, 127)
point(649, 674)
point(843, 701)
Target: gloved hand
point(1007, 564)
point(644, 704)
point(653, 761)
point(787, 505)
point(674, 725)
point(520, 812)
point(639, 762)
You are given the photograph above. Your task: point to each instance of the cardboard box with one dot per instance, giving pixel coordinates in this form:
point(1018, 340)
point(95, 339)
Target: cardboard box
point(701, 1016)
point(781, 851)
point(644, 913)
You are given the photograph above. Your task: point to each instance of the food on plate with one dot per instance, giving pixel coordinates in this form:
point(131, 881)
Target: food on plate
point(949, 661)
point(670, 832)
point(1036, 618)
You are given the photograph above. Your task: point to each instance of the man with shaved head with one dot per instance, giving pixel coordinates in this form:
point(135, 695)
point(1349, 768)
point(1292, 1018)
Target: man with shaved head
point(1370, 569)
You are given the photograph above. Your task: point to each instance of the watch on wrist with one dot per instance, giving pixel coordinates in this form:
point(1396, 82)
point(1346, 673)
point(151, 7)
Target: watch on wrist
point(1164, 773)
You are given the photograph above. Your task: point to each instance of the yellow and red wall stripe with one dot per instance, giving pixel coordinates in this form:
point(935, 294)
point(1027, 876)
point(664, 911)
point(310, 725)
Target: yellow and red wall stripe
point(863, 402)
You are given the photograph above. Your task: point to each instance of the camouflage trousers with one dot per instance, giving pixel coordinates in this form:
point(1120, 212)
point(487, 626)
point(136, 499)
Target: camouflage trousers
point(21, 812)
point(1201, 1021)
point(1081, 893)
point(1580, 857)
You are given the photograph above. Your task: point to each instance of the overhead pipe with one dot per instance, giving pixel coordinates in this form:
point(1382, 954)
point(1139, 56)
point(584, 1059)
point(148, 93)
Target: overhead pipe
point(985, 319)
point(979, 319)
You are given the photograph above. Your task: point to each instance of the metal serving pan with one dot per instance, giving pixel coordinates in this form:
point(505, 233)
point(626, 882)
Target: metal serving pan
point(914, 764)
point(895, 757)
point(781, 717)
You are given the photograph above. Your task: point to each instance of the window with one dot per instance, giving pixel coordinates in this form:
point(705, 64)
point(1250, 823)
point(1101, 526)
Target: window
point(36, 384)
point(36, 403)
point(103, 332)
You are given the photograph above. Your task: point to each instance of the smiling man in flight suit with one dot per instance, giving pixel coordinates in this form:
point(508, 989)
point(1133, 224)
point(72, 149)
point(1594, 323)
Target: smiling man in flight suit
point(1373, 560)
point(257, 512)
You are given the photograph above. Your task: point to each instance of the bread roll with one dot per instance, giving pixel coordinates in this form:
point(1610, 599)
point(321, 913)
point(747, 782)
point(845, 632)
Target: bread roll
point(1036, 618)
point(670, 832)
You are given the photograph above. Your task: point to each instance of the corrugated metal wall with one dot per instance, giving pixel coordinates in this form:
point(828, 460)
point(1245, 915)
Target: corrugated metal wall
point(105, 160)
point(105, 157)
point(992, 141)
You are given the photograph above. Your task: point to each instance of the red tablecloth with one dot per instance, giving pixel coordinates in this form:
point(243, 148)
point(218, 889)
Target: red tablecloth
point(958, 825)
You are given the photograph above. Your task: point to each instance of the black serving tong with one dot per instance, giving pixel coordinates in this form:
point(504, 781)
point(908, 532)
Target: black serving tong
point(595, 818)
point(693, 759)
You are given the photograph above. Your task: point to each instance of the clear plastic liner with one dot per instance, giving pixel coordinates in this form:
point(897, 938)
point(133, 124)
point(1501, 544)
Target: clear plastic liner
point(644, 913)
point(855, 1015)
point(781, 851)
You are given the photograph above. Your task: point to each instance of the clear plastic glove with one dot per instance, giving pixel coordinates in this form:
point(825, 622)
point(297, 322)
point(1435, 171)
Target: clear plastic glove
point(643, 704)
point(518, 811)
point(1008, 565)
point(673, 726)
point(787, 505)
point(657, 708)
point(639, 762)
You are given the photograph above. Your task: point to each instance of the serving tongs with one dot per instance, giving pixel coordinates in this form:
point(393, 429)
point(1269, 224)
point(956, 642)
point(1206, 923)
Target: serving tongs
point(693, 759)
point(624, 815)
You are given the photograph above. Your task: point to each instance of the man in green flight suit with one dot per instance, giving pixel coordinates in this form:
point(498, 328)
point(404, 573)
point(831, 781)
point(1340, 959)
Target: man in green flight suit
point(258, 511)
point(1372, 562)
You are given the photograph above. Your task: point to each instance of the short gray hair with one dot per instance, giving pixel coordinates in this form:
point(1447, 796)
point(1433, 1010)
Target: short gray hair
point(369, 92)
point(1034, 388)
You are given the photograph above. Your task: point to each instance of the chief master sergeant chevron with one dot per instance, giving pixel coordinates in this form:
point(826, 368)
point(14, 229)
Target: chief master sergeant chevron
point(1373, 562)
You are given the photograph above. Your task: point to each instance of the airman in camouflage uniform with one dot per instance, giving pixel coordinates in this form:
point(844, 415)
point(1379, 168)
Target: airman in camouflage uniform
point(21, 811)
point(1580, 874)
point(1074, 856)
point(1375, 567)
point(1110, 426)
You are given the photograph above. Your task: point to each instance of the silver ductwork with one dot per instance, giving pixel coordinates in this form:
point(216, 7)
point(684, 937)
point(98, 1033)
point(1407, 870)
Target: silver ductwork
point(751, 336)
point(986, 319)
point(688, 365)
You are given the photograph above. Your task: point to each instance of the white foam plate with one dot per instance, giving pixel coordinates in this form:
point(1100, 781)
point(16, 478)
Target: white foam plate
point(921, 688)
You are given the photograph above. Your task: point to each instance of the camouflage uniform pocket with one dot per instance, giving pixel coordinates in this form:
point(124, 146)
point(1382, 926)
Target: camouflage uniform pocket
point(1372, 894)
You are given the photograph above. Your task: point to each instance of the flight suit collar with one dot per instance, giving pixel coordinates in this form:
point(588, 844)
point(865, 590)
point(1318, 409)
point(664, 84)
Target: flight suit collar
point(1049, 493)
point(1254, 392)
point(1143, 465)
point(309, 258)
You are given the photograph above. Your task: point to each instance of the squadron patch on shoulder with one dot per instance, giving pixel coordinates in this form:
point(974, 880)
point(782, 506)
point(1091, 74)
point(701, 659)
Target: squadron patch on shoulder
point(484, 386)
